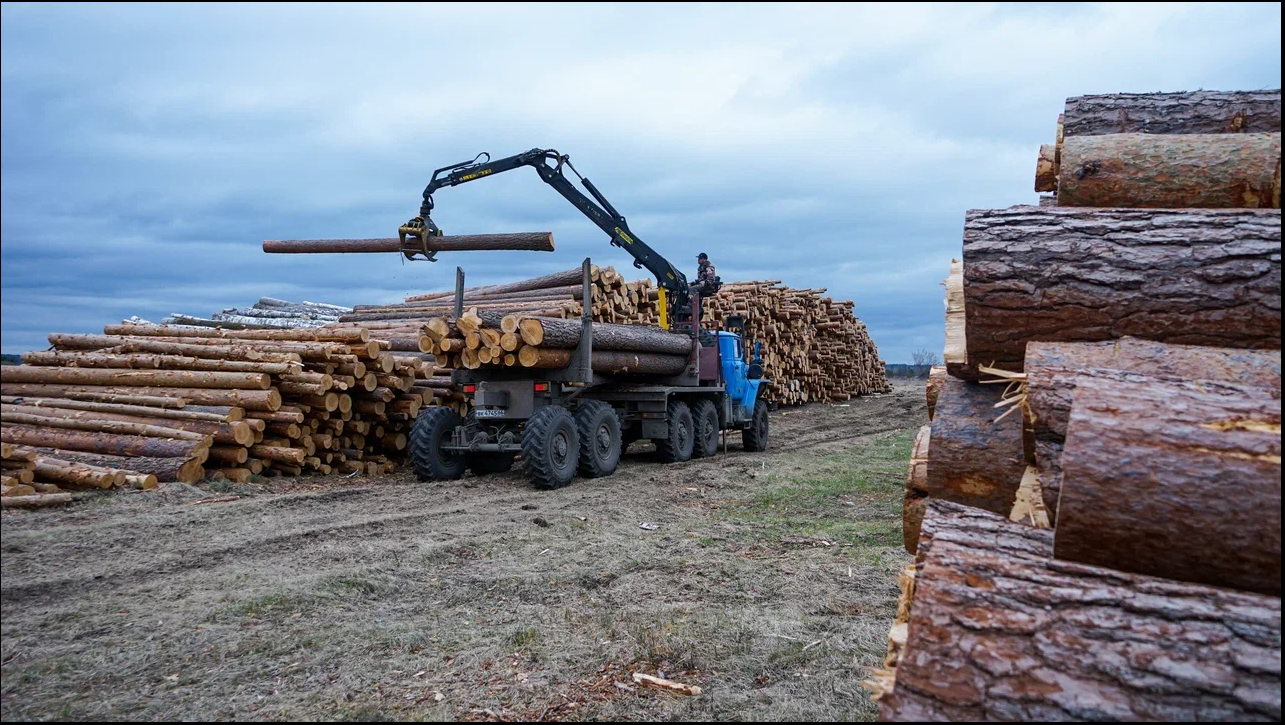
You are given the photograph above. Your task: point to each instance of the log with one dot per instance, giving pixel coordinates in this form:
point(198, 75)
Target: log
point(1046, 168)
point(1169, 113)
point(936, 379)
point(556, 279)
point(217, 414)
point(248, 399)
point(168, 470)
point(108, 443)
point(553, 333)
point(955, 356)
point(916, 498)
point(54, 469)
point(1192, 276)
point(337, 333)
point(998, 630)
point(1176, 481)
point(279, 454)
point(71, 421)
point(119, 344)
point(606, 361)
point(278, 416)
point(233, 455)
point(236, 433)
point(166, 362)
point(973, 459)
point(1053, 368)
point(151, 378)
point(1227, 171)
point(36, 501)
point(524, 241)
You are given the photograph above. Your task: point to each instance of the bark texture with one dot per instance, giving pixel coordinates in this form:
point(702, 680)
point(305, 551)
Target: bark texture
point(1229, 171)
point(1176, 481)
point(974, 460)
point(1170, 113)
point(182, 470)
point(249, 399)
point(606, 361)
point(157, 378)
point(1001, 631)
point(546, 332)
point(1191, 276)
point(108, 443)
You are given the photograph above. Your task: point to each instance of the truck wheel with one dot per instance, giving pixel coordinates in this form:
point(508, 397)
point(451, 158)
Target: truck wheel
point(599, 431)
point(484, 464)
point(682, 434)
point(432, 429)
point(754, 438)
point(550, 448)
point(706, 417)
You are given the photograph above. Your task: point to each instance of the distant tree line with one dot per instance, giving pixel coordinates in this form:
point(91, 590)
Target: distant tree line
point(924, 360)
point(10, 360)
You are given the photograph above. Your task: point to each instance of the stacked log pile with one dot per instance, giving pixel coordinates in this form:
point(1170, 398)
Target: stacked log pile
point(268, 313)
point(182, 402)
point(1112, 373)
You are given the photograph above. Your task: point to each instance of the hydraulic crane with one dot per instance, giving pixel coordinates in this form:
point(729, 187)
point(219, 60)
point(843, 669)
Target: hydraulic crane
point(675, 295)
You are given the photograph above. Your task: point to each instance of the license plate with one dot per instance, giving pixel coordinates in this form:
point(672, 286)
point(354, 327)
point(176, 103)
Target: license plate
point(485, 413)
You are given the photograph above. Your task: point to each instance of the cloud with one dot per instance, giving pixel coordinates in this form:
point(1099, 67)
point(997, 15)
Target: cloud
point(148, 149)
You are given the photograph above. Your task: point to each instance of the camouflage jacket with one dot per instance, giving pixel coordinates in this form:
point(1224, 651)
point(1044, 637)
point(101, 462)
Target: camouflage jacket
point(705, 275)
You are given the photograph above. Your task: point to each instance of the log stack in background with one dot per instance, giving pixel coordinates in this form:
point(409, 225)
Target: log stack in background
point(1112, 371)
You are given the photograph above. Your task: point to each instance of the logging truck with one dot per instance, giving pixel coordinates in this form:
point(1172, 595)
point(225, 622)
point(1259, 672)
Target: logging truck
point(581, 415)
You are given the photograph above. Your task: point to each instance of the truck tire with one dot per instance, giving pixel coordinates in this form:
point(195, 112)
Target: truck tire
point(682, 434)
point(433, 428)
point(484, 464)
point(599, 431)
point(754, 438)
point(705, 416)
point(550, 448)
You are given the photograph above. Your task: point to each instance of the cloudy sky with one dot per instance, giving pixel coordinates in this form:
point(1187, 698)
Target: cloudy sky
point(149, 149)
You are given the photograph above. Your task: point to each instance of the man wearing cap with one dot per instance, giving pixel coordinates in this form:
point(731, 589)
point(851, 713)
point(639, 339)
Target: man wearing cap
point(706, 280)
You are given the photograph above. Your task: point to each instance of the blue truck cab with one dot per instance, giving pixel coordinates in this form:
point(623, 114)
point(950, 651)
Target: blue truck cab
point(741, 386)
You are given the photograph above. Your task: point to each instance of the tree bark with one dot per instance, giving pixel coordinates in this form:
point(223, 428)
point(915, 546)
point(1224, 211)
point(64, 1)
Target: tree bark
point(269, 399)
point(556, 279)
point(974, 460)
point(158, 378)
point(523, 241)
point(154, 362)
point(1174, 480)
point(545, 332)
point(999, 630)
point(1170, 113)
point(1228, 171)
point(606, 361)
point(108, 443)
point(1053, 369)
point(168, 470)
point(1192, 276)
point(340, 333)
point(916, 498)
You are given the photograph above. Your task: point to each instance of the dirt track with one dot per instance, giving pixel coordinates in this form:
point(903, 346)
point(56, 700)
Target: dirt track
point(770, 582)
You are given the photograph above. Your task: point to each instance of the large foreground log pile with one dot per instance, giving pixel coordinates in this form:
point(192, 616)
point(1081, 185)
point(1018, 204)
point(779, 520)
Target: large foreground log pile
point(178, 402)
point(1113, 373)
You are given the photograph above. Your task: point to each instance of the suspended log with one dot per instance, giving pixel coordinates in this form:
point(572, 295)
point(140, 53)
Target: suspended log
point(339, 333)
point(1169, 113)
point(94, 442)
point(167, 470)
point(1190, 276)
point(974, 459)
point(916, 498)
point(157, 378)
point(606, 361)
point(248, 399)
point(998, 630)
point(557, 279)
point(1053, 369)
point(1227, 171)
point(545, 332)
point(524, 241)
point(1174, 480)
point(167, 362)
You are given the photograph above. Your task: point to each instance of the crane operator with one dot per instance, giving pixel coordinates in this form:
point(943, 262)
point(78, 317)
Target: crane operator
point(707, 282)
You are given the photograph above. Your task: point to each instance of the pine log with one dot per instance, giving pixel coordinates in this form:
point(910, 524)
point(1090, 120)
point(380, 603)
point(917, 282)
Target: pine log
point(54, 469)
point(606, 361)
point(36, 501)
point(916, 498)
point(269, 399)
point(279, 454)
point(524, 241)
point(217, 414)
point(95, 442)
point(1046, 168)
point(998, 630)
point(167, 470)
point(568, 292)
point(278, 416)
point(557, 279)
point(545, 332)
point(235, 433)
point(936, 379)
point(1053, 369)
point(973, 459)
point(158, 378)
point(1192, 276)
point(337, 333)
point(1170, 113)
point(1174, 480)
point(955, 356)
point(120, 345)
point(1227, 171)
point(166, 362)
point(99, 422)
